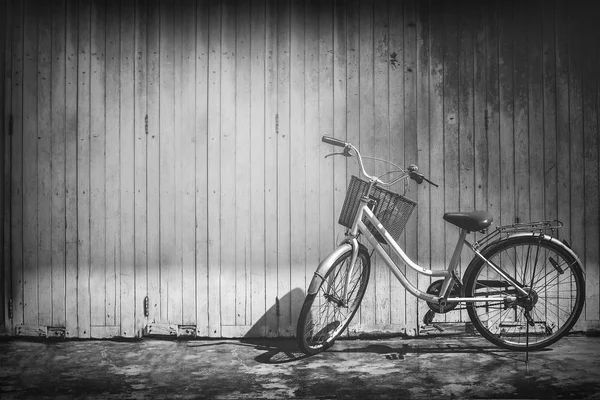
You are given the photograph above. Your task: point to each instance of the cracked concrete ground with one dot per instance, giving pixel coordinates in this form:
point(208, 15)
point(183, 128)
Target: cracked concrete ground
point(442, 367)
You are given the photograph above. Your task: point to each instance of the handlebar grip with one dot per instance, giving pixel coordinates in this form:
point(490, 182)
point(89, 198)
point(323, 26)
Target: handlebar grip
point(333, 141)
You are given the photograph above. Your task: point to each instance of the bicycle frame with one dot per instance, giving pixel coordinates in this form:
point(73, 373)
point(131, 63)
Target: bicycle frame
point(360, 227)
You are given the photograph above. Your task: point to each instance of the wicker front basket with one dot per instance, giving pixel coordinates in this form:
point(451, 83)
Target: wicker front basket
point(391, 209)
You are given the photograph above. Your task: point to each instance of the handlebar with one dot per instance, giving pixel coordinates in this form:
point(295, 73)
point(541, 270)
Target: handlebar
point(333, 141)
point(350, 150)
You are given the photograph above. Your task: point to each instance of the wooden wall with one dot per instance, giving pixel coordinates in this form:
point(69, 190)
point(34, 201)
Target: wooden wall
point(171, 150)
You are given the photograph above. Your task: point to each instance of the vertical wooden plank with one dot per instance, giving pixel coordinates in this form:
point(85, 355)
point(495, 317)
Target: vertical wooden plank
point(242, 161)
point(201, 132)
point(30, 170)
point(178, 138)
point(326, 218)
point(480, 74)
point(140, 77)
point(484, 143)
point(153, 162)
point(272, 300)
point(71, 141)
point(466, 139)
point(597, 287)
point(105, 177)
point(562, 117)
point(562, 31)
point(228, 182)
point(536, 111)
point(352, 106)
point(507, 83)
point(506, 88)
point(397, 132)
point(410, 150)
point(5, 85)
point(436, 134)
point(549, 110)
point(590, 158)
point(521, 116)
point(299, 273)
point(451, 126)
point(187, 160)
point(381, 145)
point(83, 173)
point(44, 166)
point(283, 168)
point(178, 162)
point(126, 280)
point(339, 111)
point(257, 165)
point(492, 112)
point(353, 74)
point(58, 164)
point(425, 191)
point(17, 218)
point(312, 134)
point(367, 139)
point(577, 53)
point(170, 288)
point(5, 159)
point(102, 127)
point(214, 172)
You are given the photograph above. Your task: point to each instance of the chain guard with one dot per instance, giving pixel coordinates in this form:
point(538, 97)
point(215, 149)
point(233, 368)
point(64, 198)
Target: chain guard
point(435, 288)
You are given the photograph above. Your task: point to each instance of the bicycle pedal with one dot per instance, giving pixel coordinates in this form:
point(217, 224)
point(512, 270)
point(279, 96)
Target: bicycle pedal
point(428, 318)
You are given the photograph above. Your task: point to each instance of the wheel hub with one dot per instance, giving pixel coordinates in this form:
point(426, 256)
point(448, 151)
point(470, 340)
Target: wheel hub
point(332, 298)
point(529, 300)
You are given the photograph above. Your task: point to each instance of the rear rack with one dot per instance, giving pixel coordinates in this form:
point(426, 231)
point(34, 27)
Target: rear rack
point(534, 227)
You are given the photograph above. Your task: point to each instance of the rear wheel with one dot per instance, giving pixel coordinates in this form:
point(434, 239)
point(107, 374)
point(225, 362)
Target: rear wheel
point(326, 314)
point(553, 280)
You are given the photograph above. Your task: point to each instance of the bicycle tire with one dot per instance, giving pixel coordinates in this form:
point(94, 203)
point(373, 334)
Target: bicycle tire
point(316, 335)
point(554, 281)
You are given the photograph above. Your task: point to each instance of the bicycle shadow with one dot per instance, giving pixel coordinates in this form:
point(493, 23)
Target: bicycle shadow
point(273, 336)
point(407, 349)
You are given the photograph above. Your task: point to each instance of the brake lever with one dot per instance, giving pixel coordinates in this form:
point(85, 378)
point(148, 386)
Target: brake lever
point(431, 183)
point(334, 154)
point(346, 153)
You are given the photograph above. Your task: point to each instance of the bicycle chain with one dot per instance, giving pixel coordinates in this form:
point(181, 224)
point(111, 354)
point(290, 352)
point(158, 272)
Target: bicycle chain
point(481, 306)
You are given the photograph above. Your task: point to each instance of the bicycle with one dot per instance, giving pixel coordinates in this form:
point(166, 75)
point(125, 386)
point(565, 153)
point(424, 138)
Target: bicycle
point(523, 289)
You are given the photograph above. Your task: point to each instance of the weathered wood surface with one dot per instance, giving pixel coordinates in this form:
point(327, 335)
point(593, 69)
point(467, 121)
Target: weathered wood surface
point(171, 150)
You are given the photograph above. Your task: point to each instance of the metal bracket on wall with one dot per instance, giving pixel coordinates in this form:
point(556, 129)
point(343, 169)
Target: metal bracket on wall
point(10, 308)
point(56, 332)
point(146, 306)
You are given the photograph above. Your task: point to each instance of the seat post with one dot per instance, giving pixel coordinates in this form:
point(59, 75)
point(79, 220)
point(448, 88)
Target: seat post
point(454, 260)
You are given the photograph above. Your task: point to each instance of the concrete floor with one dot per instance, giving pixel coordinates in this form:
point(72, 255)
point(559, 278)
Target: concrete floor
point(442, 367)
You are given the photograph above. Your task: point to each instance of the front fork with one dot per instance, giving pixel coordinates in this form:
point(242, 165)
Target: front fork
point(354, 243)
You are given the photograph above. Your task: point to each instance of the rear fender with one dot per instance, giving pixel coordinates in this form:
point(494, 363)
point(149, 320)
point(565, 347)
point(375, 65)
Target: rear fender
point(487, 250)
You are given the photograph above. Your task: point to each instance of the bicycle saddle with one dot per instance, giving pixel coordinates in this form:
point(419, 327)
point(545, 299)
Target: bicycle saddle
point(470, 221)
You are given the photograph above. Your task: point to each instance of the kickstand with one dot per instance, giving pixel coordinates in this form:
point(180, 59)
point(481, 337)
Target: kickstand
point(527, 339)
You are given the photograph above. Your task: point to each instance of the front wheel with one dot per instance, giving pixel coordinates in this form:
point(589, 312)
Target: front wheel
point(552, 279)
point(326, 313)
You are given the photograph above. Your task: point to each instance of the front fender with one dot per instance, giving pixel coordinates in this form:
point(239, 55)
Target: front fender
point(325, 265)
